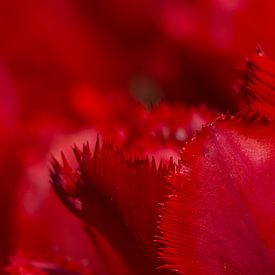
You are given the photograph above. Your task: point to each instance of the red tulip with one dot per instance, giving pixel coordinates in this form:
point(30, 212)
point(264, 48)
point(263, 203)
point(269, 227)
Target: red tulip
point(67, 66)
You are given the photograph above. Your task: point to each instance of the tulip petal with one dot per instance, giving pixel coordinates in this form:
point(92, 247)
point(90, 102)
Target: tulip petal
point(118, 196)
point(259, 84)
point(220, 217)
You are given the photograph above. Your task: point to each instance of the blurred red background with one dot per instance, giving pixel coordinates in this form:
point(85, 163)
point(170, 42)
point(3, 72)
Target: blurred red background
point(70, 67)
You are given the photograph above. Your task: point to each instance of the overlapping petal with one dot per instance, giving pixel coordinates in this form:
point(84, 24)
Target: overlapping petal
point(118, 197)
point(259, 84)
point(220, 218)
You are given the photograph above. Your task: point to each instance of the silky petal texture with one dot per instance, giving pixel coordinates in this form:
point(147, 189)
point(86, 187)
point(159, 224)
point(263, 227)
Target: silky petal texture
point(118, 197)
point(259, 84)
point(220, 218)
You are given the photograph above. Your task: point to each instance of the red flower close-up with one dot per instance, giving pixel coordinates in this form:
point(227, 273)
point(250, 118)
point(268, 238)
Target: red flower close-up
point(137, 137)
